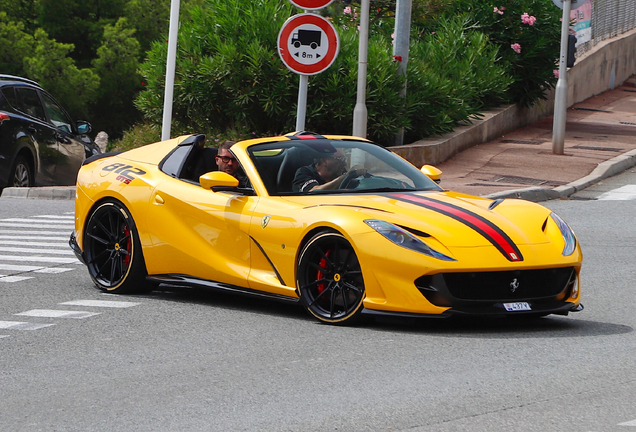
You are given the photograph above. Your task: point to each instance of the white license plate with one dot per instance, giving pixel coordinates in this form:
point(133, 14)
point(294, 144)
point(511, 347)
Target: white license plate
point(519, 306)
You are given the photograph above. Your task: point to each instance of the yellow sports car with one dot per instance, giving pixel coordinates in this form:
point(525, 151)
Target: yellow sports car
point(370, 235)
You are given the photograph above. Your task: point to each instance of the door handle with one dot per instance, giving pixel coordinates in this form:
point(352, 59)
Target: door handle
point(159, 199)
point(32, 130)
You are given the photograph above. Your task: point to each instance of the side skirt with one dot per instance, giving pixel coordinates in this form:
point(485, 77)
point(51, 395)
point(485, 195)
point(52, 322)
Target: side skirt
point(191, 281)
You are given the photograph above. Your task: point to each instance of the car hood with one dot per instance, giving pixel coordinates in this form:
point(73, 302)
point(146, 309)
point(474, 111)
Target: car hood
point(456, 220)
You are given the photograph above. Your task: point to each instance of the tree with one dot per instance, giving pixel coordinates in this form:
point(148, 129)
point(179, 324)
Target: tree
point(117, 64)
point(55, 71)
point(14, 44)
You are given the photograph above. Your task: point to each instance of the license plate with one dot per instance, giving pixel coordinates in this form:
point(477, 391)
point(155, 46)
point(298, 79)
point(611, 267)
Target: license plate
point(519, 306)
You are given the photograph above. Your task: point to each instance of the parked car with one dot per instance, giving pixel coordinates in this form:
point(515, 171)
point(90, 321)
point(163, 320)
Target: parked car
point(386, 240)
point(39, 142)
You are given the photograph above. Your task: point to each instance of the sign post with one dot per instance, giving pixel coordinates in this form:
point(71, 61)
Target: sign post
point(307, 44)
point(561, 91)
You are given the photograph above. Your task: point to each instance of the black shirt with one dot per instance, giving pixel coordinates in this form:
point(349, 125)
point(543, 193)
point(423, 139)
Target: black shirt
point(306, 178)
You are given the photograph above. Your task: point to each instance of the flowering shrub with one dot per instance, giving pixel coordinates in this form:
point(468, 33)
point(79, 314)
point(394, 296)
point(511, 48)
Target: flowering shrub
point(528, 34)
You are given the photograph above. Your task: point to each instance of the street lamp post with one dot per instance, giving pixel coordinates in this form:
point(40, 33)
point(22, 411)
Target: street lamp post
point(360, 110)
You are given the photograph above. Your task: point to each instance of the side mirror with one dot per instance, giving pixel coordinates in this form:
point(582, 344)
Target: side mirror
point(433, 173)
point(218, 179)
point(83, 127)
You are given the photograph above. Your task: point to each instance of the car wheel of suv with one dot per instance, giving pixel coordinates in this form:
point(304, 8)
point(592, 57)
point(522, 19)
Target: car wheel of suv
point(21, 175)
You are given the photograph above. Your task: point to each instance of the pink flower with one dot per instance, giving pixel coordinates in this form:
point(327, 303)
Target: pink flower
point(499, 11)
point(527, 19)
point(556, 73)
point(347, 10)
point(516, 47)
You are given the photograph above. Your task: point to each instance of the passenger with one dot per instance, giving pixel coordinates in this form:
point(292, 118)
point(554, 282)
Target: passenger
point(229, 164)
point(324, 174)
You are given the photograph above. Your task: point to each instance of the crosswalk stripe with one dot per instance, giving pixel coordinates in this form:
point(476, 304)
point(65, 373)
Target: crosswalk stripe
point(623, 193)
point(50, 313)
point(39, 259)
point(38, 221)
point(26, 225)
point(39, 251)
point(19, 268)
point(53, 270)
point(27, 243)
point(17, 325)
point(101, 303)
point(14, 278)
point(64, 235)
point(55, 217)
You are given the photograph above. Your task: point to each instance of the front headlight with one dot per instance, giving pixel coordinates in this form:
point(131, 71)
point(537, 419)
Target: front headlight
point(567, 233)
point(403, 238)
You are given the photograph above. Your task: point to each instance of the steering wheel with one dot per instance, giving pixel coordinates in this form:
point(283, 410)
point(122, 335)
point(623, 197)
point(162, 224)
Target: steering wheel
point(347, 181)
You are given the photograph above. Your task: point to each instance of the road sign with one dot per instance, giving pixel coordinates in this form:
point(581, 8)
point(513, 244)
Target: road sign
point(308, 44)
point(311, 4)
point(574, 4)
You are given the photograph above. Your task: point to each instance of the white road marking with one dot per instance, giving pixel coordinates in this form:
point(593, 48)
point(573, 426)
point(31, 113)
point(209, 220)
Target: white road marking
point(629, 423)
point(64, 235)
point(28, 225)
point(101, 303)
point(44, 222)
point(53, 270)
point(3, 336)
point(48, 313)
point(20, 268)
point(4, 241)
point(623, 193)
point(39, 259)
point(39, 251)
point(55, 217)
point(17, 325)
point(14, 278)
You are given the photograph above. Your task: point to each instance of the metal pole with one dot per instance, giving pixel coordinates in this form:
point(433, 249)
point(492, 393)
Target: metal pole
point(170, 69)
point(401, 46)
point(301, 109)
point(360, 110)
point(561, 92)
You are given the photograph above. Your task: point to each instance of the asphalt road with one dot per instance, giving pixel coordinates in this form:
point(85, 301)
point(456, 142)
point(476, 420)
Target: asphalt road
point(190, 360)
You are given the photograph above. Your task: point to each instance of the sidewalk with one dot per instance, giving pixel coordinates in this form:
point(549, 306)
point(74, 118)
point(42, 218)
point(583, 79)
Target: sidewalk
point(600, 141)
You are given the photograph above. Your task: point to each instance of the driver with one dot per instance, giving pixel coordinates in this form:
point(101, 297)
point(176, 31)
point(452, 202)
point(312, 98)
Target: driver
point(325, 173)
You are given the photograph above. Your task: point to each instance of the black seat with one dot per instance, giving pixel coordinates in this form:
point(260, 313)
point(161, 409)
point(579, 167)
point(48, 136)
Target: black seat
point(294, 158)
point(206, 162)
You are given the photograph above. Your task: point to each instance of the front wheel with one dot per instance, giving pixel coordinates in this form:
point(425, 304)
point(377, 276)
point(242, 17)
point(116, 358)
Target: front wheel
point(113, 250)
point(330, 280)
point(21, 175)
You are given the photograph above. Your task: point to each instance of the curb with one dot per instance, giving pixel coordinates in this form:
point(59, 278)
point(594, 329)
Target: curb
point(47, 192)
point(603, 170)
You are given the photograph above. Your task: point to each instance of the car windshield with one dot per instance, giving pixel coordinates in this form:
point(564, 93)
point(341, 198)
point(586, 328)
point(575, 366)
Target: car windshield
point(280, 163)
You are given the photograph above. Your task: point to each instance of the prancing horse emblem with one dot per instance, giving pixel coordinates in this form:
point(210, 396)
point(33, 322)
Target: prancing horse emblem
point(514, 285)
point(266, 219)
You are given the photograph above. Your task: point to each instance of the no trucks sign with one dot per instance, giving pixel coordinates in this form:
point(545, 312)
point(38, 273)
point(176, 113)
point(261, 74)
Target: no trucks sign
point(308, 44)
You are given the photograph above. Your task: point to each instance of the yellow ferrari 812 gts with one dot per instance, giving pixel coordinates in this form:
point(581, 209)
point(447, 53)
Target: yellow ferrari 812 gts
point(381, 238)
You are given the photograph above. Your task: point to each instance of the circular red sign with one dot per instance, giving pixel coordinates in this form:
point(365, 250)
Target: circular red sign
point(308, 44)
point(311, 4)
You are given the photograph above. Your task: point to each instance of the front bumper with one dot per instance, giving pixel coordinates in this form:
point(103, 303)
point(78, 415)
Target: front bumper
point(72, 242)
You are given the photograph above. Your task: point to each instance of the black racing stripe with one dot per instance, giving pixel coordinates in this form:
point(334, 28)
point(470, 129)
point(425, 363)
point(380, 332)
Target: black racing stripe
point(488, 230)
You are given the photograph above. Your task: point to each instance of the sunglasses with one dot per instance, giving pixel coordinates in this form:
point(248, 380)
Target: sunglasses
point(226, 159)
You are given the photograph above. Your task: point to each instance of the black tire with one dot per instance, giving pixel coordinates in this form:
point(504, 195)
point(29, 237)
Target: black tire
point(21, 174)
point(329, 279)
point(113, 252)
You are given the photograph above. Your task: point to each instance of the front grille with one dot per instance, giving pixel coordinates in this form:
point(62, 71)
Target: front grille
point(446, 289)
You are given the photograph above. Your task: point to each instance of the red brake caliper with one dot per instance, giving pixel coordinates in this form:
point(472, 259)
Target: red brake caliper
point(320, 274)
point(128, 245)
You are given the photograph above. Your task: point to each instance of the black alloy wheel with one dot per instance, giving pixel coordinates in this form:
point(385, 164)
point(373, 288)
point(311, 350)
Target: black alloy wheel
point(21, 175)
point(113, 251)
point(330, 280)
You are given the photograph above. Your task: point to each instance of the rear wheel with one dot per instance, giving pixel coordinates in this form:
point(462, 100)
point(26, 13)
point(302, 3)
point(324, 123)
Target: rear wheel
point(21, 175)
point(330, 280)
point(113, 251)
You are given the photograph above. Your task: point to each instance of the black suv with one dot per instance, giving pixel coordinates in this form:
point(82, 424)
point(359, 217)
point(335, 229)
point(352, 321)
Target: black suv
point(39, 143)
